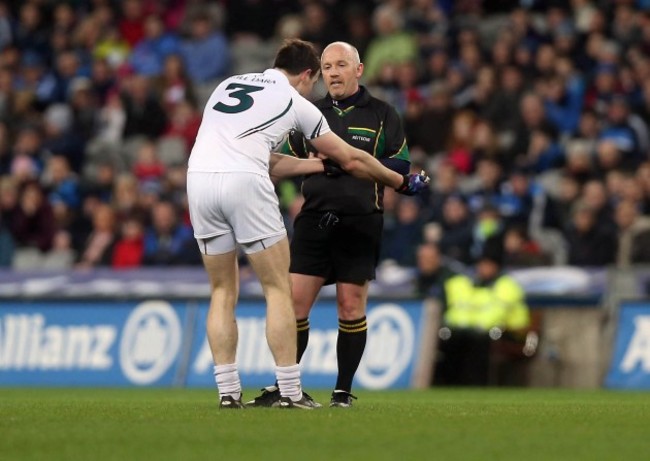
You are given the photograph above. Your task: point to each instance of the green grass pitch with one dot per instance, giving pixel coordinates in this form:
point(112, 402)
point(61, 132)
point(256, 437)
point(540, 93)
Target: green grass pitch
point(434, 424)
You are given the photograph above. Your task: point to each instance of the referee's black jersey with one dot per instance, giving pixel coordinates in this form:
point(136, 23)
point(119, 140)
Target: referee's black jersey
point(370, 125)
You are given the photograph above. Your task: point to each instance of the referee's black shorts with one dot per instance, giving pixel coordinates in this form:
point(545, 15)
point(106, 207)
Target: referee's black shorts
point(338, 248)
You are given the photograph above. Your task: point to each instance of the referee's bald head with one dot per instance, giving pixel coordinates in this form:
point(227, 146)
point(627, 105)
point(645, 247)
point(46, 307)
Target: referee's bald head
point(349, 49)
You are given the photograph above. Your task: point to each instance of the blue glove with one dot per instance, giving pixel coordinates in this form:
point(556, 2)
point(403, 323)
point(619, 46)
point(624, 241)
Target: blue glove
point(414, 183)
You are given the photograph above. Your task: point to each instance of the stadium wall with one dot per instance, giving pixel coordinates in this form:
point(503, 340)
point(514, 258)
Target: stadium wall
point(161, 342)
point(146, 327)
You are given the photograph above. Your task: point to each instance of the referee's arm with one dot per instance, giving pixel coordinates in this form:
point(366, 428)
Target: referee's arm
point(396, 153)
point(295, 145)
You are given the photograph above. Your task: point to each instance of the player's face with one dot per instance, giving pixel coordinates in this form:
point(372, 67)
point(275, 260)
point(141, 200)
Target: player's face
point(340, 72)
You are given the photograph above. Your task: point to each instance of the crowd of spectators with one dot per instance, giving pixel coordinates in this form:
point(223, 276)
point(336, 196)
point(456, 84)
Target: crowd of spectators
point(532, 118)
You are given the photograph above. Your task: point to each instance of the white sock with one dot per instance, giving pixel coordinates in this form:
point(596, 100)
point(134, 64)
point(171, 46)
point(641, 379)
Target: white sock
point(227, 379)
point(289, 381)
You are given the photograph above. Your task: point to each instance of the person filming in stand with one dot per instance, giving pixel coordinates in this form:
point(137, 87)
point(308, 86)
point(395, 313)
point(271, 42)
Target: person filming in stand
point(233, 203)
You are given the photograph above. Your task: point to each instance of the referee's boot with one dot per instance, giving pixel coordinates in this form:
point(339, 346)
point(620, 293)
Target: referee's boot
point(230, 403)
point(269, 397)
point(341, 399)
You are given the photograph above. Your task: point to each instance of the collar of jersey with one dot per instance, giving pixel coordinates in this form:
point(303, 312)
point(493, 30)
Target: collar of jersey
point(276, 73)
point(326, 102)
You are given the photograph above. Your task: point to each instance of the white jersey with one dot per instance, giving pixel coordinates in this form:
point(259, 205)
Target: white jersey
point(246, 118)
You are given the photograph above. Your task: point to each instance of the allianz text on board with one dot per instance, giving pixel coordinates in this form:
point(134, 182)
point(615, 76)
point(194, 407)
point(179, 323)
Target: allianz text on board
point(162, 343)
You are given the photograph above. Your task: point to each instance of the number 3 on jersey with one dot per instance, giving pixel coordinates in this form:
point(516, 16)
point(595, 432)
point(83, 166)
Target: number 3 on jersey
point(242, 94)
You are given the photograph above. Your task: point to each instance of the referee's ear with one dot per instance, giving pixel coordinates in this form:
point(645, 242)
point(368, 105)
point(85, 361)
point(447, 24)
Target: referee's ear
point(360, 69)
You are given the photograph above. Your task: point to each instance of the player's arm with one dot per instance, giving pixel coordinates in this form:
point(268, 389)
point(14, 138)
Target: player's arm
point(293, 159)
point(358, 163)
point(284, 166)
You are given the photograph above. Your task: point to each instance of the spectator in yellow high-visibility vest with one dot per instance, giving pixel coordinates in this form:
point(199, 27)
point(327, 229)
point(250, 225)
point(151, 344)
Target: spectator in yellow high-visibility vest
point(478, 311)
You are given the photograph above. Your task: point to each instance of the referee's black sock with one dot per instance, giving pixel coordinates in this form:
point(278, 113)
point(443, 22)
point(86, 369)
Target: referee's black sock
point(349, 349)
point(302, 325)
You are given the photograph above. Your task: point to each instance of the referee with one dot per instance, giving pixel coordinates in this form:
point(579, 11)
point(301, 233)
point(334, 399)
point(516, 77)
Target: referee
point(337, 234)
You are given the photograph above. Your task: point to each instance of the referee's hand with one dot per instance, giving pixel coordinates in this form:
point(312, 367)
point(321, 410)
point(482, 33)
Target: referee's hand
point(414, 183)
point(330, 167)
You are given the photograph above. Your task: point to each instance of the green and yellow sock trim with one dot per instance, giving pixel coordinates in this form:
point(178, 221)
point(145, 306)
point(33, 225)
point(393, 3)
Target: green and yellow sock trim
point(353, 326)
point(302, 324)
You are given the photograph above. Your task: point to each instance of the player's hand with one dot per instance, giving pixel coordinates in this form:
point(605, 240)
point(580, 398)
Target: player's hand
point(414, 183)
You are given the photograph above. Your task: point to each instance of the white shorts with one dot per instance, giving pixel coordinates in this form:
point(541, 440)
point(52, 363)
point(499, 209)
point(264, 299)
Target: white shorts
point(242, 204)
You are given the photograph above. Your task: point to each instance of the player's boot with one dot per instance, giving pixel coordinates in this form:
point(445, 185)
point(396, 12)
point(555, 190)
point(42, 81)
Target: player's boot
point(230, 403)
point(305, 403)
point(270, 395)
point(311, 399)
point(341, 399)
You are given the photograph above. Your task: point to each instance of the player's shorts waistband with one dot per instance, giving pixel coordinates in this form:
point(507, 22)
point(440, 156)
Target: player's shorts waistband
point(258, 173)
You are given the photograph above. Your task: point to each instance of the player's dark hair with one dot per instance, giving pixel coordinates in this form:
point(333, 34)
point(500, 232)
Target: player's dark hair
point(296, 56)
